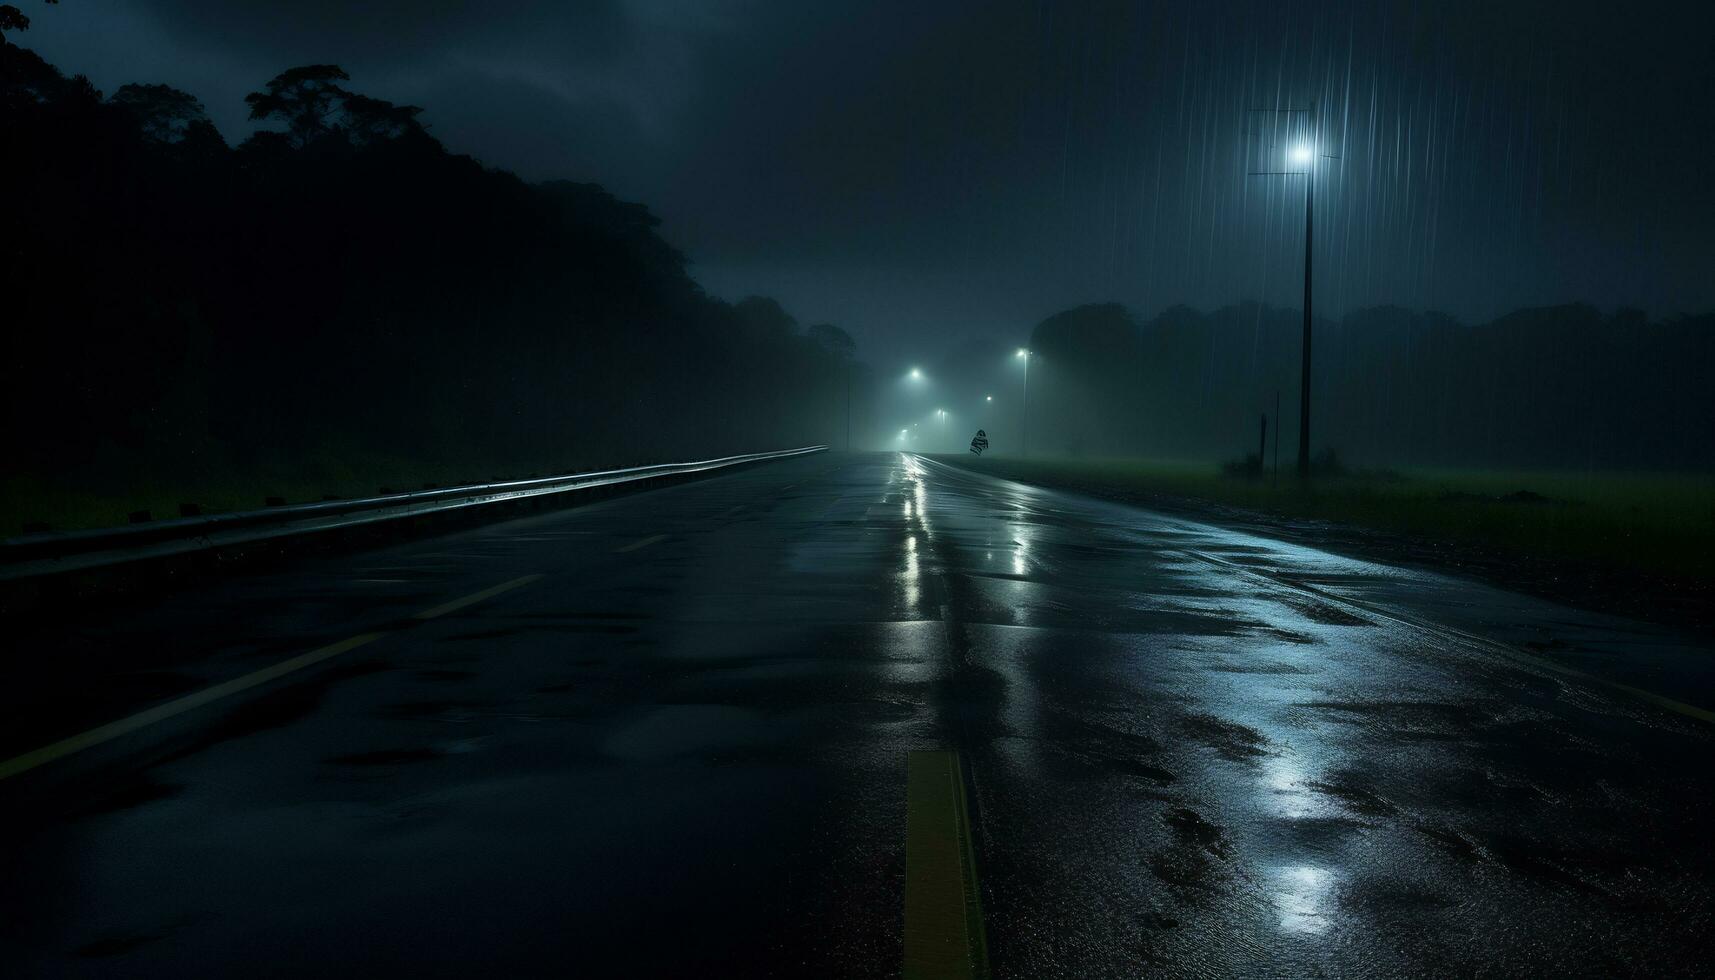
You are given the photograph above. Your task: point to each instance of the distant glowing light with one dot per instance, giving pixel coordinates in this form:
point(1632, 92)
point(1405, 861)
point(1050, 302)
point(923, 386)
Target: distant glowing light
point(916, 375)
point(988, 398)
point(1023, 353)
point(1302, 155)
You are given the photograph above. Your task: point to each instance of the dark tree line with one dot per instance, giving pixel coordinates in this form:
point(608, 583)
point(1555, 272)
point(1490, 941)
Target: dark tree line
point(342, 283)
point(1563, 387)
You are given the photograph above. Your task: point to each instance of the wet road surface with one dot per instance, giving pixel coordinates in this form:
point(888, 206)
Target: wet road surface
point(668, 735)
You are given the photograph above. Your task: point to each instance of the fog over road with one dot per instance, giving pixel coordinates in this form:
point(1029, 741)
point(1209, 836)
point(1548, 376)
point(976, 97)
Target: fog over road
point(668, 734)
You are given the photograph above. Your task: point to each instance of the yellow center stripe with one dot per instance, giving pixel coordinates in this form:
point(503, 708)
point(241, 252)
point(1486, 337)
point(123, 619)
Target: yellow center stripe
point(943, 915)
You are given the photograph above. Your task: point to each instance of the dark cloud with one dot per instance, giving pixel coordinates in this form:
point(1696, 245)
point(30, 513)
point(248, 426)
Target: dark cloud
point(602, 31)
point(968, 167)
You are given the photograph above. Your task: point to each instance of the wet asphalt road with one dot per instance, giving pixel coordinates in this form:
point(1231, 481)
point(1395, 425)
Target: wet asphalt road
point(682, 750)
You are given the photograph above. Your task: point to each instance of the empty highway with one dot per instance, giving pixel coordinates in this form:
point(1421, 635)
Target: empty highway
point(846, 715)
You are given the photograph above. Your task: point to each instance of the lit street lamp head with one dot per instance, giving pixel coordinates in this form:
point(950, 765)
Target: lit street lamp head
point(1302, 155)
point(916, 375)
point(1023, 353)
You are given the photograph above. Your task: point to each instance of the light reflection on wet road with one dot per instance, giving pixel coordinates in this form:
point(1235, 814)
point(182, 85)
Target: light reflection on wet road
point(1217, 754)
point(1191, 751)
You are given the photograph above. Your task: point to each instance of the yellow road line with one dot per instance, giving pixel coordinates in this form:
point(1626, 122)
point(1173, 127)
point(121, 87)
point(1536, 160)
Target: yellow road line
point(475, 597)
point(646, 542)
point(142, 719)
point(943, 915)
point(161, 712)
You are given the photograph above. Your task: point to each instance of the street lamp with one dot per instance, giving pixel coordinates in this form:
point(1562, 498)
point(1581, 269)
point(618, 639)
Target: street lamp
point(1300, 162)
point(916, 375)
point(1024, 355)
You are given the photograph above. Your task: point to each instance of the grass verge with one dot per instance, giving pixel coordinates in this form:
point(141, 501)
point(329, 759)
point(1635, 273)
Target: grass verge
point(1629, 533)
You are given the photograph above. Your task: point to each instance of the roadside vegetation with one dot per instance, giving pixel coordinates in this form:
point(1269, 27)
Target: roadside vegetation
point(1646, 529)
point(336, 302)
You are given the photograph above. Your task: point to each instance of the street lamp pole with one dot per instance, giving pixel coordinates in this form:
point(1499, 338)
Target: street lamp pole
point(1025, 354)
point(1304, 375)
point(1304, 156)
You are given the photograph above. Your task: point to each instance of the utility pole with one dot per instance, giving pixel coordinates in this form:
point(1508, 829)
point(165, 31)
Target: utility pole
point(848, 406)
point(1300, 159)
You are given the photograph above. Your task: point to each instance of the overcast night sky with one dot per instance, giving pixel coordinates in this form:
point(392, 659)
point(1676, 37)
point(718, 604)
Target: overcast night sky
point(921, 172)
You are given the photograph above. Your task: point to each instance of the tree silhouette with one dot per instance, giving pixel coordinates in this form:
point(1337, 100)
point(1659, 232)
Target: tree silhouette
point(13, 19)
point(832, 340)
point(25, 79)
point(303, 98)
point(369, 120)
point(164, 113)
point(763, 319)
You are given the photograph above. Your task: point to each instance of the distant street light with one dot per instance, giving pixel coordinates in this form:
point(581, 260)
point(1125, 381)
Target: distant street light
point(916, 375)
point(988, 398)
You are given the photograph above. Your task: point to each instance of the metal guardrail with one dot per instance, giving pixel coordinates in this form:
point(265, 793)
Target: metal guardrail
point(51, 552)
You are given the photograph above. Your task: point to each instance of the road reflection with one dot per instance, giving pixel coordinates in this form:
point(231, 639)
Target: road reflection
point(1288, 792)
point(1303, 895)
point(910, 479)
point(911, 578)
